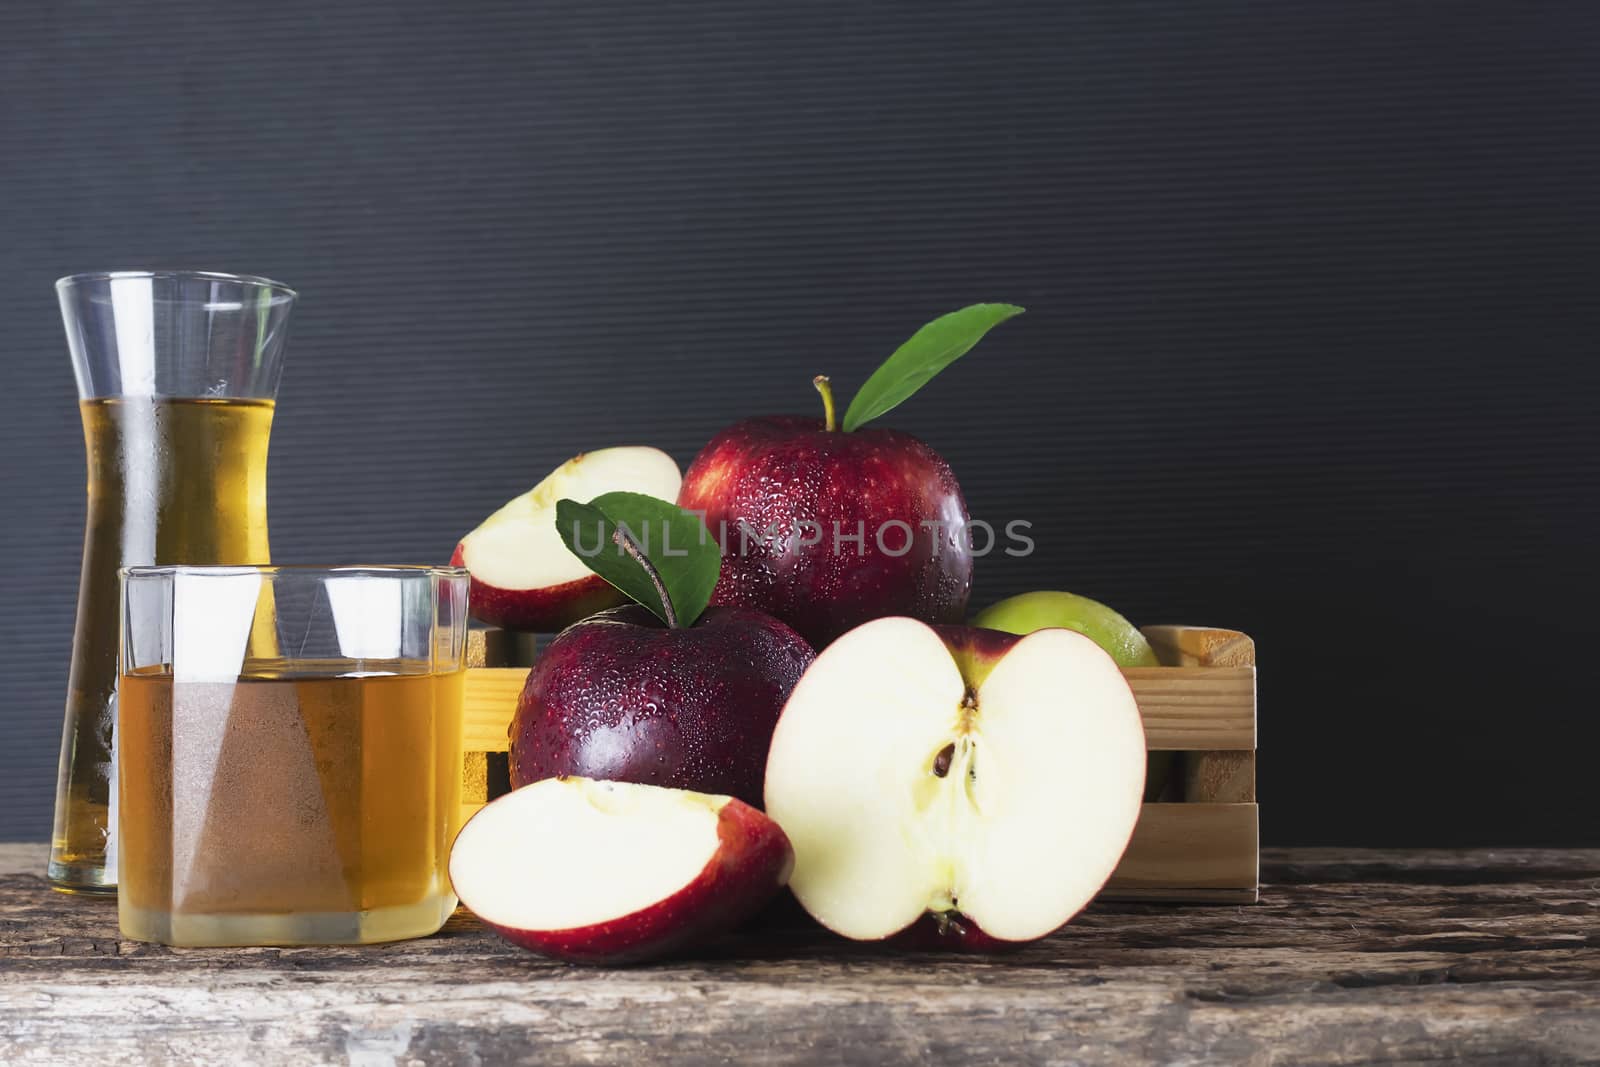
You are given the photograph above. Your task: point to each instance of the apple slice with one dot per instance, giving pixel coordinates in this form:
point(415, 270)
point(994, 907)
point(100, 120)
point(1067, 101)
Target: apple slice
point(523, 576)
point(977, 783)
point(609, 872)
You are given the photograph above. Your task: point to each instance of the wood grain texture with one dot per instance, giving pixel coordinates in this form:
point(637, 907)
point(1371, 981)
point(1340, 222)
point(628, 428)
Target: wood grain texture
point(490, 703)
point(1217, 858)
point(484, 773)
point(1191, 852)
point(1184, 708)
point(1187, 646)
point(1352, 957)
point(1219, 777)
point(1195, 708)
point(1220, 774)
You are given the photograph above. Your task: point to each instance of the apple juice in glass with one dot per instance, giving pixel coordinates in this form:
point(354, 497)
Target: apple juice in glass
point(307, 797)
point(176, 376)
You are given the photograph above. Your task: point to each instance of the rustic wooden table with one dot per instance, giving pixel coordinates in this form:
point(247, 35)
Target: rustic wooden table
point(1351, 956)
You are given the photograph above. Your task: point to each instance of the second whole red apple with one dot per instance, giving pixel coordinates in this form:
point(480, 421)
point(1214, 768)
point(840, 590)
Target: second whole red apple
point(622, 696)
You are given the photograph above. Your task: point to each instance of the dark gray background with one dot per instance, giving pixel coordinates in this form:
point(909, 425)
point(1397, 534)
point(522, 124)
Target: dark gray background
point(1310, 348)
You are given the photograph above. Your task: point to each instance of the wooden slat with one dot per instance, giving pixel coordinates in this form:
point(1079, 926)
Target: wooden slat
point(1192, 708)
point(1191, 852)
point(491, 701)
point(1210, 776)
point(1184, 708)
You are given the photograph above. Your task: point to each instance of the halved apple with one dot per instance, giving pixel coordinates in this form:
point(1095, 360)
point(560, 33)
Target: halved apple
point(965, 782)
point(523, 576)
point(609, 872)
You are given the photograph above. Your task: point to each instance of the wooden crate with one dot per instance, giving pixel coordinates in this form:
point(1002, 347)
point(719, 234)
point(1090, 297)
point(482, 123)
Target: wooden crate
point(1201, 844)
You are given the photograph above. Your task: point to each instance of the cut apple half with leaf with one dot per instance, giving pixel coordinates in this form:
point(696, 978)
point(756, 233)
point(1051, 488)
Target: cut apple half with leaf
point(611, 872)
point(523, 576)
point(965, 783)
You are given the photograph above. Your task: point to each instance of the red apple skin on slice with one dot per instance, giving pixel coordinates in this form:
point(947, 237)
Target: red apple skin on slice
point(750, 865)
point(542, 610)
point(792, 484)
point(546, 610)
point(522, 576)
point(949, 932)
point(753, 863)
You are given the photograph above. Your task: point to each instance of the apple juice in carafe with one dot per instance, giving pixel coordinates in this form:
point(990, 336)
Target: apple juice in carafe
point(310, 806)
point(170, 481)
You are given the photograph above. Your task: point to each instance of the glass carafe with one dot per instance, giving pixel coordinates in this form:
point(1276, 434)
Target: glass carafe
point(177, 376)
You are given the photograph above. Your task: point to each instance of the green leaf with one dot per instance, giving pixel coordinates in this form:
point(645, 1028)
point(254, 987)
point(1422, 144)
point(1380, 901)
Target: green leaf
point(675, 541)
point(930, 350)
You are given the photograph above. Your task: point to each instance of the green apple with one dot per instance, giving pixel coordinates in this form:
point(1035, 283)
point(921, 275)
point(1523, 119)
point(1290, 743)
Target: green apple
point(1027, 612)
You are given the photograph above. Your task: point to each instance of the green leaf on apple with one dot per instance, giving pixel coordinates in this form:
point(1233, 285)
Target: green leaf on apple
point(930, 350)
point(674, 543)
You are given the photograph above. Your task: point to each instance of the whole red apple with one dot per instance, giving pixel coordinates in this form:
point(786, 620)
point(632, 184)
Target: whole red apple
point(827, 529)
point(624, 697)
point(825, 524)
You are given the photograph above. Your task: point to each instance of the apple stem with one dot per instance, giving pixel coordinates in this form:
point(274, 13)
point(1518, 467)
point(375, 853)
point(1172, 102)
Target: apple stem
point(825, 387)
point(621, 539)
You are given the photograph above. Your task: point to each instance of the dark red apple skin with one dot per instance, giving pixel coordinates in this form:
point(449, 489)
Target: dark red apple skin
point(537, 610)
point(753, 862)
point(976, 649)
point(950, 932)
point(621, 697)
point(784, 471)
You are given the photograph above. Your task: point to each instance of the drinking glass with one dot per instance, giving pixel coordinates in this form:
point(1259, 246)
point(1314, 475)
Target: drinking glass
point(304, 796)
point(177, 373)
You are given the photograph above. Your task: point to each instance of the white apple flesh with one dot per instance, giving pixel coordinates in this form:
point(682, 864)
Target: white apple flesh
point(975, 783)
point(610, 872)
point(523, 576)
